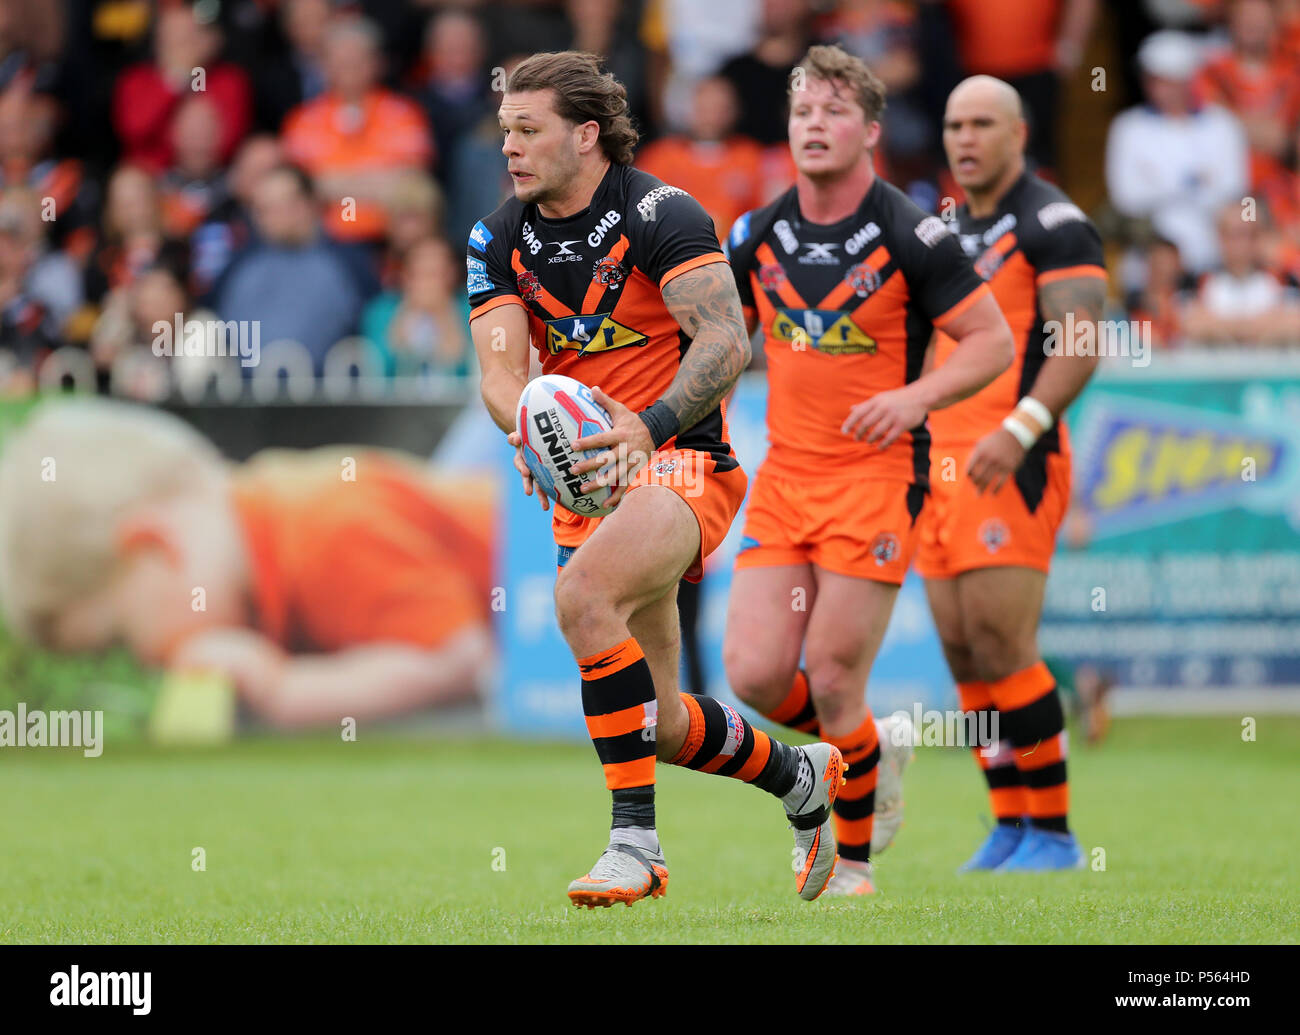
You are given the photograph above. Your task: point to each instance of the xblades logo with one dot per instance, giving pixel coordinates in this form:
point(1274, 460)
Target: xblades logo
point(818, 254)
point(565, 254)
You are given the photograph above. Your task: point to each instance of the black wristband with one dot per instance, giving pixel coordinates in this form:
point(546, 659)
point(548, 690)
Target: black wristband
point(661, 422)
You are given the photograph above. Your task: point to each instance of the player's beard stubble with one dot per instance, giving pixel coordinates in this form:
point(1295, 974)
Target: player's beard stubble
point(552, 185)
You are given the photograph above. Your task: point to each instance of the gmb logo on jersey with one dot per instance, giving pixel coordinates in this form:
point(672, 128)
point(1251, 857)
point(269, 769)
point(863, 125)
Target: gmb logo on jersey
point(584, 334)
point(826, 330)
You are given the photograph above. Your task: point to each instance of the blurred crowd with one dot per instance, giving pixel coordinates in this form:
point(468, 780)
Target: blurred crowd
point(315, 165)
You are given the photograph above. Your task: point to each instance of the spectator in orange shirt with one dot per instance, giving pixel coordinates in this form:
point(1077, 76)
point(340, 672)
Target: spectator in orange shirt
point(337, 582)
point(1259, 82)
point(148, 95)
point(1031, 46)
point(356, 138)
point(719, 168)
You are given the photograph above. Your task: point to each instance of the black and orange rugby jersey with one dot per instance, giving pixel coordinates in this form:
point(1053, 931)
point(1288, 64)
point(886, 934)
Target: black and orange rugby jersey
point(1037, 235)
point(593, 287)
point(847, 311)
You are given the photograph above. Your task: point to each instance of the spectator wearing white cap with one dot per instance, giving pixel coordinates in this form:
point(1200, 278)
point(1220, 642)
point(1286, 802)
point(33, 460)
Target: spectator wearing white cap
point(1173, 161)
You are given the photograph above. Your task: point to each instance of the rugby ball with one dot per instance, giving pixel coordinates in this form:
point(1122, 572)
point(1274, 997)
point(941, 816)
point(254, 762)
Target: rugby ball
point(554, 412)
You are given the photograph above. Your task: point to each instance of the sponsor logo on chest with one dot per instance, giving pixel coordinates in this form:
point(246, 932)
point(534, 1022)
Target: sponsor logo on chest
point(862, 238)
point(786, 236)
point(530, 238)
point(607, 223)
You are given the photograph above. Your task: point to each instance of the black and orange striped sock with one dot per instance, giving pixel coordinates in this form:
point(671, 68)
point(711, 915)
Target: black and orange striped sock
point(719, 741)
point(855, 808)
point(1031, 717)
point(618, 698)
point(1007, 795)
point(797, 711)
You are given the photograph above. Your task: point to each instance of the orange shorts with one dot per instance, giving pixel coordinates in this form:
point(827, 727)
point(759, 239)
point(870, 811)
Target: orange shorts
point(863, 527)
point(714, 497)
point(962, 530)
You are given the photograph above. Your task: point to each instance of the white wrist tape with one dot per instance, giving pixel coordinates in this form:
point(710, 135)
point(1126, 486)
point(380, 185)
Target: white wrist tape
point(1038, 411)
point(1022, 433)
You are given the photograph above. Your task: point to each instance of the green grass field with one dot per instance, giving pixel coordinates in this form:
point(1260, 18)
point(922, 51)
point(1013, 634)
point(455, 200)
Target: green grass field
point(395, 841)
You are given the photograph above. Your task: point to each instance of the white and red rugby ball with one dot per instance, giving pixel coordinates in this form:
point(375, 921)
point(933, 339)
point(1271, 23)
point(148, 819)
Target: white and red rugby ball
point(555, 411)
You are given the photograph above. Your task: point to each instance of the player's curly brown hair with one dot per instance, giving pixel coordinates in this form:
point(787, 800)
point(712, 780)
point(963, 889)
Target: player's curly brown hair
point(833, 65)
point(583, 93)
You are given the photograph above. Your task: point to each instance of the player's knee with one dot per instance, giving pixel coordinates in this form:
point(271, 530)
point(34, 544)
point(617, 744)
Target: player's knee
point(752, 677)
point(580, 601)
point(997, 650)
point(961, 660)
point(835, 688)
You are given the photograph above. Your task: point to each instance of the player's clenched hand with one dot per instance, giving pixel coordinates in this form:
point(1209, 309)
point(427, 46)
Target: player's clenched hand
point(524, 473)
point(995, 458)
point(884, 417)
point(627, 445)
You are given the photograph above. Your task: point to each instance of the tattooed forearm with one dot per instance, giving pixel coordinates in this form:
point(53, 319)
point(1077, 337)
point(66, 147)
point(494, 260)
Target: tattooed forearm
point(1064, 374)
point(704, 302)
point(1085, 297)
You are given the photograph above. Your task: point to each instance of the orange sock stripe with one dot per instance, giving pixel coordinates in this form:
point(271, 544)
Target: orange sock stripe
point(974, 697)
point(861, 740)
point(1022, 688)
point(612, 659)
point(694, 732)
point(1009, 802)
point(854, 832)
point(1048, 752)
point(811, 726)
point(1049, 801)
point(615, 724)
point(858, 787)
point(853, 758)
point(795, 701)
point(756, 761)
point(637, 773)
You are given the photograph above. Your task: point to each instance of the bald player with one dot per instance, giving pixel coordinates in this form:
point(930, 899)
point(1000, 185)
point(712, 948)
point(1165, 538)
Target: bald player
point(1000, 471)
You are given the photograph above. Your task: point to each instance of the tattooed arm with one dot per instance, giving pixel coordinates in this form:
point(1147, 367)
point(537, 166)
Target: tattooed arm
point(998, 455)
point(704, 302)
point(1063, 376)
